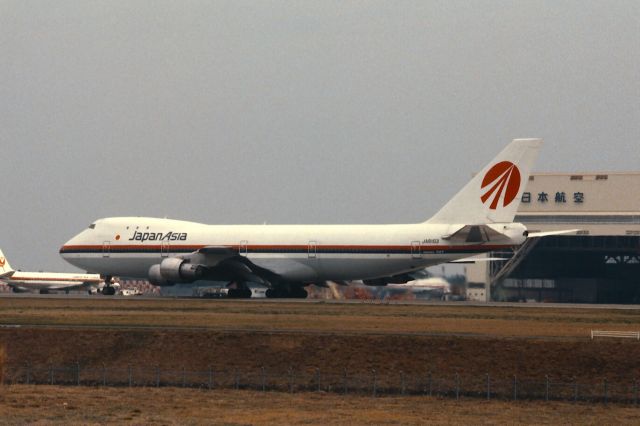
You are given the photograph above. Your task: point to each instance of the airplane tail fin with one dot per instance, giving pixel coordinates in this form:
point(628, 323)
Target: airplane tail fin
point(5, 268)
point(493, 195)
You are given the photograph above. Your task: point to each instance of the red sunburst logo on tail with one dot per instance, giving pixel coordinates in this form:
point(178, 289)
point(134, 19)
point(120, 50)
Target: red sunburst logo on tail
point(2, 262)
point(503, 178)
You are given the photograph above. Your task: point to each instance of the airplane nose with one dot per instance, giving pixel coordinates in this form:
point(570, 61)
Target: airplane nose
point(68, 247)
point(64, 248)
point(69, 253)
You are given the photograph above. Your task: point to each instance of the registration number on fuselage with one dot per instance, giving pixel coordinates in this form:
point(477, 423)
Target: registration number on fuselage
point(431, 241)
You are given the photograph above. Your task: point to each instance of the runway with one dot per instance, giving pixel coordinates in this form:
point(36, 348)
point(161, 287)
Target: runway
point(315, 317)
point(535, 305)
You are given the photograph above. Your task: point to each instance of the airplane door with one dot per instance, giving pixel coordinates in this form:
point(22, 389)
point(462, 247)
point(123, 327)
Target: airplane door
point(416, 250)
point(106, 248)
point(164, 249)
point(243, 248)
point(313, 248)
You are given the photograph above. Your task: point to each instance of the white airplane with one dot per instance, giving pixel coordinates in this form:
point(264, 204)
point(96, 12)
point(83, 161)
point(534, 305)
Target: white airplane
point(285, 258)
point(22, 282)
point(432, 288)
point(431, 284)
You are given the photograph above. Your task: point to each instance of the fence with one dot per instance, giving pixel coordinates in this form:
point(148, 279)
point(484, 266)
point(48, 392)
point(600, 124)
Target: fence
point(617, 334)
point(373, 383)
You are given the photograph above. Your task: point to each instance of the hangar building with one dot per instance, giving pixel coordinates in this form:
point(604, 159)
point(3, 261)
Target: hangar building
point(600, 264)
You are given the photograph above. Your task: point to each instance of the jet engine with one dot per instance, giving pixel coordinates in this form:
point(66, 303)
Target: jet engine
point(174, 270)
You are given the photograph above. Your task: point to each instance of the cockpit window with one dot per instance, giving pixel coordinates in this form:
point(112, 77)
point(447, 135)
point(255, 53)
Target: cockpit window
point(92, 226)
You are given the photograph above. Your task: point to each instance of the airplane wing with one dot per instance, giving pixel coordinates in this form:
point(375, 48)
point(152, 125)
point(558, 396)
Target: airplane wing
point(242, 269)
point(218, 250)
point(225, 263)
point(16, 288)
point(477, 259)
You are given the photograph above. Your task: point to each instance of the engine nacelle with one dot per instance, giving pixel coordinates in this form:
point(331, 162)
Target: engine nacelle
point(174, 270)
point(155, 277)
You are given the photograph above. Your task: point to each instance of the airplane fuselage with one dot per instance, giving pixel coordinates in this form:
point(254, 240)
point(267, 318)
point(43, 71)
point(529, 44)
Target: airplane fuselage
point(129, 246)
point(26, 281)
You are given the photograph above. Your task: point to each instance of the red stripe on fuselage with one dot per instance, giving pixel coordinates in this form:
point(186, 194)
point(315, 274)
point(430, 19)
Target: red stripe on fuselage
point(22, 278)
point(115, 247)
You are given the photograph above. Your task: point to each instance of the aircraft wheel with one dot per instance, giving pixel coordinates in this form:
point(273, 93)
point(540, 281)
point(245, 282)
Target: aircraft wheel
point(276, 293)
point(298, 293)
point(282, 293)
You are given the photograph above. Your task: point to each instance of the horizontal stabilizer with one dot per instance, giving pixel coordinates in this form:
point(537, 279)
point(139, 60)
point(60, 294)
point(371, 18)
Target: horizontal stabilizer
point(7, 274)
point(475, 234)
point(551, 233)
point(478, 259)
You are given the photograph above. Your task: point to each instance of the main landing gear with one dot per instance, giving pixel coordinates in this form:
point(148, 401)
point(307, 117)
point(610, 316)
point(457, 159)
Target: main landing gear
point(108, 289)
point(239, 291)
point(292, 292)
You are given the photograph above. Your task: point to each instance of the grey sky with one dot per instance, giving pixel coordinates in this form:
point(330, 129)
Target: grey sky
point(295, 112)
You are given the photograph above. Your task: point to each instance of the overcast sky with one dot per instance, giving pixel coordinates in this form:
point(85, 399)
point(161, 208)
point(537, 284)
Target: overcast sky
point(295, 112)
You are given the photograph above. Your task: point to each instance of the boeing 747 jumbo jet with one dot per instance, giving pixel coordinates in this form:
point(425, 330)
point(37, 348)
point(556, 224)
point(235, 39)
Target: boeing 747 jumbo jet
point(22, 282)
point(285, 258)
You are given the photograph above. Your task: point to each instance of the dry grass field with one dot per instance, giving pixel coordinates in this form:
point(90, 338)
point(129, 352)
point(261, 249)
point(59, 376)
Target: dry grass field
point(529, 342)
point(448, 340)
point(93, 406)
